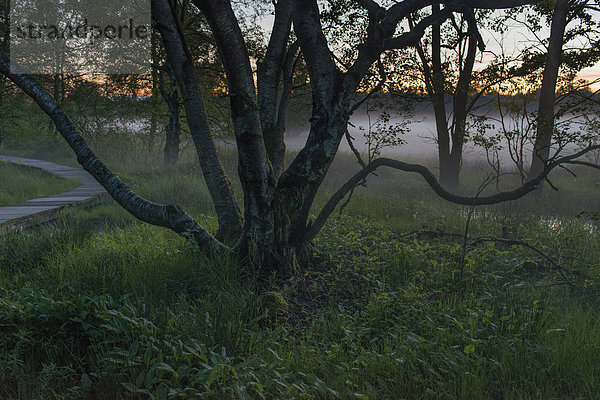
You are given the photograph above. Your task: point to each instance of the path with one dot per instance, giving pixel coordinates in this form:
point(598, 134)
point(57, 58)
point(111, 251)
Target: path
point(44, 208)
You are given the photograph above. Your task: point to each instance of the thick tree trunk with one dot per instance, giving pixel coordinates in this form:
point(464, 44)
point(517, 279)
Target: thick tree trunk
point(545, 119)
point(254, 168)
point(450, 165)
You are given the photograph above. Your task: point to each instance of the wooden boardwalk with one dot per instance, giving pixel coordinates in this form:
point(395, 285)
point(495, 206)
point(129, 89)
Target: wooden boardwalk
point(44, 208)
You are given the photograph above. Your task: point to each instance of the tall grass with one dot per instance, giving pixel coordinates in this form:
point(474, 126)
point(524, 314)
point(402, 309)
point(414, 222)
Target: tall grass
point(99, 305)
point(21, 183)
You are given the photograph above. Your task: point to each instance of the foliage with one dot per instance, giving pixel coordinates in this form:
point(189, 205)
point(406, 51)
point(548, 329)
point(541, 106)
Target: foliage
point(97, 304)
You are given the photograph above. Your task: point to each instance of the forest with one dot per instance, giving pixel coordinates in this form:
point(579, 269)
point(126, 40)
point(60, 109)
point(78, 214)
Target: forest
point(332, 199)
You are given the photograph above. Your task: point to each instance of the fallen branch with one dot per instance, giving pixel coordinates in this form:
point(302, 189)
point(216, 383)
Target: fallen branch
point(515, 242)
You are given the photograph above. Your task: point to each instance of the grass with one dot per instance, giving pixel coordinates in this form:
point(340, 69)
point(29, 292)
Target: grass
point(23, 183)
point(98, 305)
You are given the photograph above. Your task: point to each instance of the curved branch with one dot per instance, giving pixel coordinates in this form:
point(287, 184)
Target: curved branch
point(412, 37)
point(355, 151)
point(165, 215)
point(584, 163)
point(371, 6)
point(500, 197)
point(513, 242)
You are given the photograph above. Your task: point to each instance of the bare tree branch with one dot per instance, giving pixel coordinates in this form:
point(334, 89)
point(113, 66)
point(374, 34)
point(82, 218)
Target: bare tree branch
point(371, 6)
point(500, 197)
point(513, 242)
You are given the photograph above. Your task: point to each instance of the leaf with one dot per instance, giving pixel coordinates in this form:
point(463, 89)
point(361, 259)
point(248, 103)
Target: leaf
point(469, 349)
point(165, 367)
point(129, 386)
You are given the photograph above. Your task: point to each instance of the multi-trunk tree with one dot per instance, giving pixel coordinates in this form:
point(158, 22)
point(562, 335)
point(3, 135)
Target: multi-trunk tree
point(274, 228)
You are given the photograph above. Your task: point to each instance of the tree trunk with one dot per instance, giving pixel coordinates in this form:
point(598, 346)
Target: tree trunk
point(2, 119)
point(450, 139)
point(254, 167)
point(299, 184)
point(154, 99)
point(460, 112)
point(545, 119)
point(180, 62)
point(173, 128)
point(271, 102)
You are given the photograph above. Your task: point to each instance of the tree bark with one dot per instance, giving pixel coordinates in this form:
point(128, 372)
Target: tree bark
point(270, 100)
point(298, 185)
point(181, 64)
point(155, 94)
point(459, 110)
point(254, 168)
point(545, 118)
point(438, 100)
point(173, 128)
point(450, 139)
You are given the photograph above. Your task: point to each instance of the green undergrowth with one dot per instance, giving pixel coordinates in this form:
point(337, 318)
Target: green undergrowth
point(97, 305)
point(21, 183)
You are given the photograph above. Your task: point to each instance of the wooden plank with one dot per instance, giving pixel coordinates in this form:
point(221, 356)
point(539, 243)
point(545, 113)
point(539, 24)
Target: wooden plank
point(43, 209)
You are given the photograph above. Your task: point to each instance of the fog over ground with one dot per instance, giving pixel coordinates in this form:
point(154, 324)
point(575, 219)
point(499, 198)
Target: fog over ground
point(420, 139)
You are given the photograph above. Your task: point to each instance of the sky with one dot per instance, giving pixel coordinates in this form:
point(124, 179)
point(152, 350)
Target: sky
point(515, 38)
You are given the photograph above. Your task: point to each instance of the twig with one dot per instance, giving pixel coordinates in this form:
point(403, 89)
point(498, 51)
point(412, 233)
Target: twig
point(514, 242)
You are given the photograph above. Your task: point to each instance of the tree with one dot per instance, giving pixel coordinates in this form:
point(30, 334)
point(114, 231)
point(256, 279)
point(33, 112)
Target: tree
point(543, 76)
point(275, 229)
point(4, 46)
point(545, 117)
point(173, 127)
point(451, 137)
point(563, 12)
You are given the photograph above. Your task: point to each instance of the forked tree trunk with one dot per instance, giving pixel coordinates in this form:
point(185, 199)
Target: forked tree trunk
point(460, 111)
point(276, 229)
point(299, 184)
point(451, 139)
